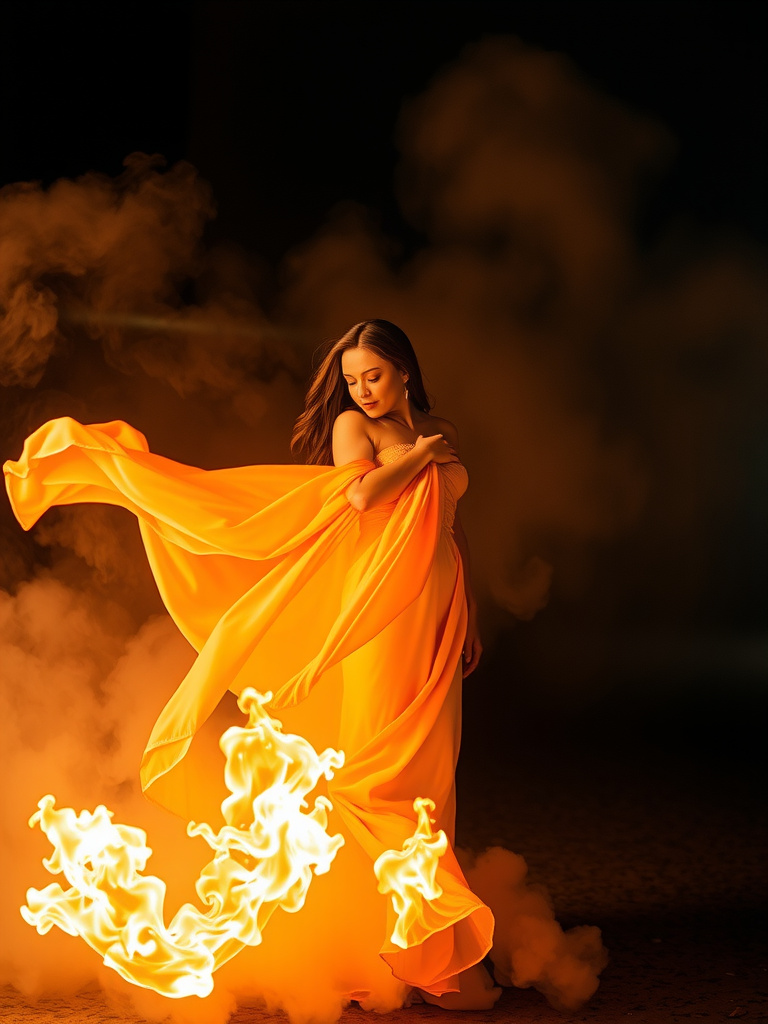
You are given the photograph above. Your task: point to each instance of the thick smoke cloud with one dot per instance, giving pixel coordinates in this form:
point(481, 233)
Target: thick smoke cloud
point(600, 394)
point(104, 285)
point(90, 248)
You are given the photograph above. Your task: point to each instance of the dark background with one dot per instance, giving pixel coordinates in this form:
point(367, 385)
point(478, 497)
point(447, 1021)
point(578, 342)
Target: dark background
point(289, 108)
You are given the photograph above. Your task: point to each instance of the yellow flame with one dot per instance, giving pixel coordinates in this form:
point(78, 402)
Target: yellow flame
point(409, 874)
point(264, 858)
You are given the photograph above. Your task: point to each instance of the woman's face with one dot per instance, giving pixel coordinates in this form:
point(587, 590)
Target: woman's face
point(375, 384)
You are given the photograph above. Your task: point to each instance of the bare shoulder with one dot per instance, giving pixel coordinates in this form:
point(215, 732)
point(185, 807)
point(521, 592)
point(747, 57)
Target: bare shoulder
point(350, 424)
point(351, 439)
point(447, 429)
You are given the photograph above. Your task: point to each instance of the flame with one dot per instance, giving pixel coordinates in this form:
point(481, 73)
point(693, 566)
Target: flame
point(409, 874)
point(264, 858)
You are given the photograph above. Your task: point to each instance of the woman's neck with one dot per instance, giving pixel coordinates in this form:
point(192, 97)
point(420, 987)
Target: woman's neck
point(403, 415)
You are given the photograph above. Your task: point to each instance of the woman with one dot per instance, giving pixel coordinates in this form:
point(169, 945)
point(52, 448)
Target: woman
point(342, 587)
point(395, 416)
point(367, 402)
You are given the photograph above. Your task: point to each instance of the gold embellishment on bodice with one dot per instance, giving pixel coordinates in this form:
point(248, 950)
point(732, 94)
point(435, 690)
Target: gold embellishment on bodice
point(392, 453)
point(453, 477)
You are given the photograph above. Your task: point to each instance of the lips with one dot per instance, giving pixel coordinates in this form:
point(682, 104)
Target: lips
point(369, 405)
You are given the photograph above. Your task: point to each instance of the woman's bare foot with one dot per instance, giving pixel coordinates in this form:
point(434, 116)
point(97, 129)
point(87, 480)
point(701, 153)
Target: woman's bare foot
point(477, 992)
point(413, 998)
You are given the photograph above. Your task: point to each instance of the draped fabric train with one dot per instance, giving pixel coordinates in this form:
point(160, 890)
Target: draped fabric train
point(354, 621)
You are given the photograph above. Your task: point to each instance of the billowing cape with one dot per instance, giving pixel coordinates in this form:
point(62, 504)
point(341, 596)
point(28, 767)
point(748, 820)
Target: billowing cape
point(260, 569)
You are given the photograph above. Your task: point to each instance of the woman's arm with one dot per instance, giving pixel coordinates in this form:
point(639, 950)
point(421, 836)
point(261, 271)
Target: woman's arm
point(473, 648)
point(385, 483)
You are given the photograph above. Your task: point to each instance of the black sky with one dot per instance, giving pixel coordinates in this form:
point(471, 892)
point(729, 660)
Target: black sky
point(290, 107)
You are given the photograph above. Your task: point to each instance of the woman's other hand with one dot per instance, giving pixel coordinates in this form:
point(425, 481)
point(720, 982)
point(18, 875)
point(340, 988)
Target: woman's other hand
point(438, 449)
point(472, 647)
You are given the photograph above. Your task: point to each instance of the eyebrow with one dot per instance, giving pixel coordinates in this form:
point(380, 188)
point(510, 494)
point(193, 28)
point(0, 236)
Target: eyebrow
point(370, 370)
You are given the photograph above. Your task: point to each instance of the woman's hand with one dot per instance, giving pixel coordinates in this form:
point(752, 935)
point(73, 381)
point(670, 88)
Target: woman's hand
point(472, 646)
point(438, 449)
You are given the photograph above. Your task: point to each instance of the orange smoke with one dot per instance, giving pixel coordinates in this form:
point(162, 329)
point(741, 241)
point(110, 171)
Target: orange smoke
point(114, 243)
point(600, 392)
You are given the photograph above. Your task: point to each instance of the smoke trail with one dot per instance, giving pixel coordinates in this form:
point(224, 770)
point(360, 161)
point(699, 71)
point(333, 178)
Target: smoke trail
point(109, 244)
point(104, 285)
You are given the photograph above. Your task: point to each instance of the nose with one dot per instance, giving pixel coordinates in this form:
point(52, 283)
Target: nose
point(363, 389)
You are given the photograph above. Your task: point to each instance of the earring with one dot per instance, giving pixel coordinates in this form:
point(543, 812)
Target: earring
point(405, 389)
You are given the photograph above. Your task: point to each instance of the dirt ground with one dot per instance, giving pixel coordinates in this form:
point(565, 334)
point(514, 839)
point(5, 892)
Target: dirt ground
point(665, 852)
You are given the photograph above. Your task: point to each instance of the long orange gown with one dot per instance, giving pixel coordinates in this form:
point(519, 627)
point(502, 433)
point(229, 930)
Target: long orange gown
point(354, 621)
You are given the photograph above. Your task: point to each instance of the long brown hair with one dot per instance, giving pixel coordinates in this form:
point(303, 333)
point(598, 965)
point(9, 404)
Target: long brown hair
point(328, 393)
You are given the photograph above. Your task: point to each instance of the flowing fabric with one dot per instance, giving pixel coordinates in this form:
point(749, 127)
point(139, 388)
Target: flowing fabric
point(354, 621)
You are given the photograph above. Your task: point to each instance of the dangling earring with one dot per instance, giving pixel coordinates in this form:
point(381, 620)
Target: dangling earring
point(405, 389)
